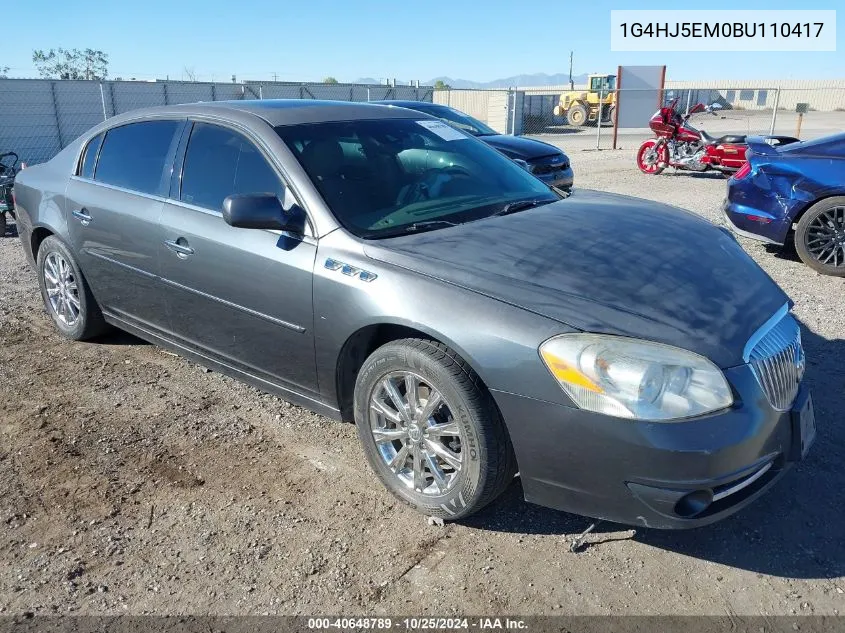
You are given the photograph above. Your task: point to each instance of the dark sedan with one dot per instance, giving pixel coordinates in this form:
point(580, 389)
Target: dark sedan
point(794, 193)
point(375, 264)
point(545, 161)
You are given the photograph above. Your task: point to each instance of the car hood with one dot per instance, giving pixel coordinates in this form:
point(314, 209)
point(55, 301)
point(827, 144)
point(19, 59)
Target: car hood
point(520, 147)
point(605, 263)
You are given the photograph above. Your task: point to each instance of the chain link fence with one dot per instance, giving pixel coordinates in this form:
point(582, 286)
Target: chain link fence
point(40, 117)
point(585, 117)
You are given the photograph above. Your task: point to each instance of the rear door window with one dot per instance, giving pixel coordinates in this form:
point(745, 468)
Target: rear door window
point(133, 156)
point(89, 158)
point(219, 163)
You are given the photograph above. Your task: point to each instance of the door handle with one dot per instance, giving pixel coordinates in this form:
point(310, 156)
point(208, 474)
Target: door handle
point(82, 216)
point(181, 249)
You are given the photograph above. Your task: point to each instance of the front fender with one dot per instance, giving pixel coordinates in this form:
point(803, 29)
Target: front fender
point(499, 341)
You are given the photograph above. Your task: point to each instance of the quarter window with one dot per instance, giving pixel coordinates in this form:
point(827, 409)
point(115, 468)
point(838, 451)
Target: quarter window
point(219, 163)
point(89, 158)
point(134, 155)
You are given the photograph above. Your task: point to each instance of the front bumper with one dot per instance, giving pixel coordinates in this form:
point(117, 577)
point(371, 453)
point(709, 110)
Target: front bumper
point(643, 473)
point(562, 178)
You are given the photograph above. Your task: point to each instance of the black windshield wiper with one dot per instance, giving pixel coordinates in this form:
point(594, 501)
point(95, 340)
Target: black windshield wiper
point(520, 205)
point(416, 227)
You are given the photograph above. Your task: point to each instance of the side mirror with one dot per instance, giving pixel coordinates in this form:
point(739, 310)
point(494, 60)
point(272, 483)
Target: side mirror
point(262, 211)
point(523, 164)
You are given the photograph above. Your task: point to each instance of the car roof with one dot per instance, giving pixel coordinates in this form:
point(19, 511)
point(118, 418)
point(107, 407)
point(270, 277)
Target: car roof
point(278, 112)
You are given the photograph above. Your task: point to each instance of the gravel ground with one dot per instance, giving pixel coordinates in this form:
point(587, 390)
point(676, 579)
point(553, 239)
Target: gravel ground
point(136, 482)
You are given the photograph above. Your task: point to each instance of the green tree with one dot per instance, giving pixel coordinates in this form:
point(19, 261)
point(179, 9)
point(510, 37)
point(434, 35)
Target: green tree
point(63, 63)
point(330, 80)
point(439, 85)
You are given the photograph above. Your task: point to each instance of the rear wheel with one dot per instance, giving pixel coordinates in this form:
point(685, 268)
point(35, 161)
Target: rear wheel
point(577, 115)
point(2, 225)
point(651, 158)
point(820, 237)
point(66, 295)
point(430, 430)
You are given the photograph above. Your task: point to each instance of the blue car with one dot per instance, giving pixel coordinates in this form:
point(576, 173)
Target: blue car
point(794, 192)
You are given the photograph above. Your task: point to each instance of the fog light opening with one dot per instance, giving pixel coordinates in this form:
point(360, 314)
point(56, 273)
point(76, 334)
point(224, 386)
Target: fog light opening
point(694, 503)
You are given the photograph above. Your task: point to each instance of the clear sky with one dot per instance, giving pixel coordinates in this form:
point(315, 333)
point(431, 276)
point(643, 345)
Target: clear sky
point(308, 40)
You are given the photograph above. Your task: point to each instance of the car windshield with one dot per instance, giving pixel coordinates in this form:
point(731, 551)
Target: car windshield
point(387, 177)
point(456, 118)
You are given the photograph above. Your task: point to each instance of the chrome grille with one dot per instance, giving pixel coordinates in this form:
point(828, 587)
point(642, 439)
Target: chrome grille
point(777, 361)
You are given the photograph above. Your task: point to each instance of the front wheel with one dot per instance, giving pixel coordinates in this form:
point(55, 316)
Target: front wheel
point(651, 157)
point(430, 429)
point(577, 115)
point(820, 237)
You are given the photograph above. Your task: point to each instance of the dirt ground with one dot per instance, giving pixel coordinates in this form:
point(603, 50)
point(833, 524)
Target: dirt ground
point(136, 482)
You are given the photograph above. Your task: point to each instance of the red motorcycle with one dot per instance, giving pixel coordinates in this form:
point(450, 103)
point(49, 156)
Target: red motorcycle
point(680, 145)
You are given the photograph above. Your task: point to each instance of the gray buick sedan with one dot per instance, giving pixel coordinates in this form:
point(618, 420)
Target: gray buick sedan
point(375, 264)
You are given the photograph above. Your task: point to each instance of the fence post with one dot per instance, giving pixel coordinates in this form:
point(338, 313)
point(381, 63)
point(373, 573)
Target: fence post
point(368, 94)
point(260, 91)
point(512, 100)
point(103, 101)
point(598, 119)
point(56, 114)
point(164, 90)
point(775, 112)
point(213, 91)
point(113, 102)
point(689, 99)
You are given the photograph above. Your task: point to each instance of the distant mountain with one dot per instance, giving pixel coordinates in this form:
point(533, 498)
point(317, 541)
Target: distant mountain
point(535, 79)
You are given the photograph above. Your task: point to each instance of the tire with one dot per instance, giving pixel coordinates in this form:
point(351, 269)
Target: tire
point(2, 225)
point(611, 115)
point(76, 314)
point(577, 116)
point(466, 422)
point(652, 169)
point(823, 224)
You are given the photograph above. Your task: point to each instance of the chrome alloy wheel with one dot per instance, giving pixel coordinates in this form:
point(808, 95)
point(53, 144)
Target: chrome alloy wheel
point(62, 291)
point(416, 433)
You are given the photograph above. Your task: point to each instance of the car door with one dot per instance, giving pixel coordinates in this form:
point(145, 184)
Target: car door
point(114, 202)
point(242, 295)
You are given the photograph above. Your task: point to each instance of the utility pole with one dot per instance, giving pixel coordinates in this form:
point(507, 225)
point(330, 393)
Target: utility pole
point(571, 83)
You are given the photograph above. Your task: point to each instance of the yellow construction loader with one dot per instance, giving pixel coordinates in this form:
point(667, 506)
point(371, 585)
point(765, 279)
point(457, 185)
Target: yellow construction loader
point(581, 107)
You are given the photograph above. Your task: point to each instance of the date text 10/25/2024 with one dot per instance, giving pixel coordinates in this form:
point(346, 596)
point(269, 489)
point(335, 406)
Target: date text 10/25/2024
point(417, 624)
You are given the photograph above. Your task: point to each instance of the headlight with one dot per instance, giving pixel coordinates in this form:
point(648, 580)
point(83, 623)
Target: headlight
point(630, 378)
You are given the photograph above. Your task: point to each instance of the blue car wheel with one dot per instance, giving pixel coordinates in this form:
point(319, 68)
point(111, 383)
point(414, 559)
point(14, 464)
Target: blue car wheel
point(820, 237)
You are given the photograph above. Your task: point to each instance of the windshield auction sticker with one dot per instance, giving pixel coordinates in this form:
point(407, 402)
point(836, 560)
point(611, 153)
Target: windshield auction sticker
point(683, 30)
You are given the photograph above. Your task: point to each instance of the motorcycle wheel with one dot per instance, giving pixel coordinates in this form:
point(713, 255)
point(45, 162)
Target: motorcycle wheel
point(649, 159)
